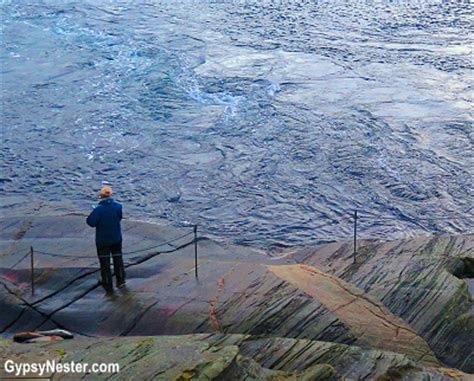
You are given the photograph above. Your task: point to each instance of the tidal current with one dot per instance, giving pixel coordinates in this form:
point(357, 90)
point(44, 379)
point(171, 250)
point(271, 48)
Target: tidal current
point(267, 123)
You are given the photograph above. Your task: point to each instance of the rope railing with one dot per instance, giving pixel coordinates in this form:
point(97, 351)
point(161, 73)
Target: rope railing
point(414, 219)
point(73, 256)
point(160, 244)
point(136, 259)
point(21, 259)
point(356, 218)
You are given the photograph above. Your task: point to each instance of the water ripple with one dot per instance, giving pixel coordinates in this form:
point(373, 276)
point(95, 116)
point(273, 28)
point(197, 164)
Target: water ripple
point(267, 123)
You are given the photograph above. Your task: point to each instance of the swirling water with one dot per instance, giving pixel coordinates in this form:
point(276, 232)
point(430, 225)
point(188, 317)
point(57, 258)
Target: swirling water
point(265, 122)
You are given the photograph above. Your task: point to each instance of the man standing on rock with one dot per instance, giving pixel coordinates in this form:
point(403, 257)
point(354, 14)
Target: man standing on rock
point(105, 218)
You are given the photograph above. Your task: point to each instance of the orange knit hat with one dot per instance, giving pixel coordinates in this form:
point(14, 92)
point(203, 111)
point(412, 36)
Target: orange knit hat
point(105, 192)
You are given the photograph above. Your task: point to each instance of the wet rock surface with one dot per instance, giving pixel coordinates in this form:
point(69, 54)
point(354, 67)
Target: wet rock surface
point(399, 297)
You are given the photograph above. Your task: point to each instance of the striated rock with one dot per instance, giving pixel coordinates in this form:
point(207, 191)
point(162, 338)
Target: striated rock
point(227, 357)
point(420, 280)
point(400, 296)
point(369, 319)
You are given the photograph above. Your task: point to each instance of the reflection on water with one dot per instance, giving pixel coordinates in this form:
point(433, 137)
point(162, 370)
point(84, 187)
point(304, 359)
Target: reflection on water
point(264, 123)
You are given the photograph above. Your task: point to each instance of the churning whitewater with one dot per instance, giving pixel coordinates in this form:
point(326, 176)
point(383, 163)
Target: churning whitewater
point(264, 123)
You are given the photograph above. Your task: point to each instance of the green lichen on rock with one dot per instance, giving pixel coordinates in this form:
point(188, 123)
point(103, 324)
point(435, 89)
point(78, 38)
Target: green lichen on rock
point(321, 372)
point(398, 373)
point(213, 368)
point(226, 357)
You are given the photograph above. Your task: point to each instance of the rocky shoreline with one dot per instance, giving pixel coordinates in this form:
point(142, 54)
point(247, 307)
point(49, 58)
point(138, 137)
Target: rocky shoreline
point(402, 311)
point(230, 357)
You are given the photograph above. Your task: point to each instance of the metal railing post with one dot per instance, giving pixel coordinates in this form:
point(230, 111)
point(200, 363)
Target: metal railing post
point(195, 253)
point(355, 235)
point(32, 271)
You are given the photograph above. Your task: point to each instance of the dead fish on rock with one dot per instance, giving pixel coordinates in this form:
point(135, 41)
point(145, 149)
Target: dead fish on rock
point(22, 337)
point(44, 339)
point(42, 336)
point(57, 332)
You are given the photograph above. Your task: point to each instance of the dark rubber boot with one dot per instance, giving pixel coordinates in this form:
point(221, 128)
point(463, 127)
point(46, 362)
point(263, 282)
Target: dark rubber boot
point(106, 273)
point(119, 270)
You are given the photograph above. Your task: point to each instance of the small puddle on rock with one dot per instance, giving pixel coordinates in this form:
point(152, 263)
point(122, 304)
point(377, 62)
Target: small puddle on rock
point(470, 284)
point(463, 268)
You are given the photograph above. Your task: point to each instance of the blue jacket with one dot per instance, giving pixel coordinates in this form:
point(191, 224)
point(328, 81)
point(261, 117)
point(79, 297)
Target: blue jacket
point(105, 218)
